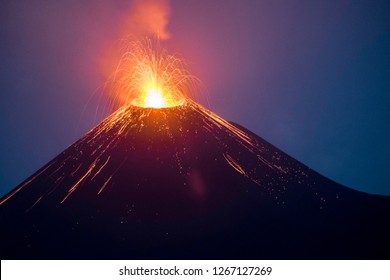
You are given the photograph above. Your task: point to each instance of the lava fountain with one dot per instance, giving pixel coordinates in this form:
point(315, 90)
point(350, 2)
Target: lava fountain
point(148, 76)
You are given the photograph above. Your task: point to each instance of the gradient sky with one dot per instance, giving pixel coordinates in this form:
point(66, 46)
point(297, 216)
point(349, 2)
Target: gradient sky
point(311, 77)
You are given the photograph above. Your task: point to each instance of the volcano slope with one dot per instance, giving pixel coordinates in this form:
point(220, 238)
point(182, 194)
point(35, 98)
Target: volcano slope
point(182, 183)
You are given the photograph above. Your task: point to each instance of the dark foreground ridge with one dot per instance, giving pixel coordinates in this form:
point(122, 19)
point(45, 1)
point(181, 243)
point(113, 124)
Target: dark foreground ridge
point(181, 183)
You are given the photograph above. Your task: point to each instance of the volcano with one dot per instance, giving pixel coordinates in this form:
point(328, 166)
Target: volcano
point(182, 183)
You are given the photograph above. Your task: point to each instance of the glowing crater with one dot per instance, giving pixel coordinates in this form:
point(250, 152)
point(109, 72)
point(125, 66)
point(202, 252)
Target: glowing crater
point(155, 97)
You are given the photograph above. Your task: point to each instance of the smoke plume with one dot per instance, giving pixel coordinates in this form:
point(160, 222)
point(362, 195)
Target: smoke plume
point(149, 18)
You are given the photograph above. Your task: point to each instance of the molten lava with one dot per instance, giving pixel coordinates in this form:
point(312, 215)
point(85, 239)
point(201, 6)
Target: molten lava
point(154, 98)
point(147, 76)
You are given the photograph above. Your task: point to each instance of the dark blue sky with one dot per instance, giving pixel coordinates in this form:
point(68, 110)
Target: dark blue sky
point(311, 77)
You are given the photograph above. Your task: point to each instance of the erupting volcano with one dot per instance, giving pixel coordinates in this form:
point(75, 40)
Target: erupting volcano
point(165, 178)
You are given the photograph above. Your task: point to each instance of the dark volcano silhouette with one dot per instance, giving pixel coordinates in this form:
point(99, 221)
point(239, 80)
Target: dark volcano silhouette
point(179, 183)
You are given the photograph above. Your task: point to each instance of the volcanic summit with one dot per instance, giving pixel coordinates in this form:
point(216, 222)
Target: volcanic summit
point(181, 182)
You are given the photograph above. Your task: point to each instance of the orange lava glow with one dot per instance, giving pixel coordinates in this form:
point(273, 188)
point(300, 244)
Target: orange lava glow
point(154, 96)
point(147, 76)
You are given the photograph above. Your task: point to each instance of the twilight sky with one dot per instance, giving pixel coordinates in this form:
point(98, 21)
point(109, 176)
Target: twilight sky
point(311, 77)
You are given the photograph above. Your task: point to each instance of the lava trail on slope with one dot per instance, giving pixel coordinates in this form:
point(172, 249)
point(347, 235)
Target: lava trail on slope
point(182, 182)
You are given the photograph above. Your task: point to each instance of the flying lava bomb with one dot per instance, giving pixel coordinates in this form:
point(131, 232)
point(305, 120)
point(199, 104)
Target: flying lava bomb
point(165, 178)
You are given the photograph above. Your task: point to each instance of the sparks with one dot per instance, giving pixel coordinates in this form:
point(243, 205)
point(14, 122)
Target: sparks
point(147, 76)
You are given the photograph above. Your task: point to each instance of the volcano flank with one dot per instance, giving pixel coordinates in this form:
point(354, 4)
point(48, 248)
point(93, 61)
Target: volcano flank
point(181, 182)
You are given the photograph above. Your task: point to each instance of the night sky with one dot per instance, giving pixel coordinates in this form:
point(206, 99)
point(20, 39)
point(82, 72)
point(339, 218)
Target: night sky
point(311, 77)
